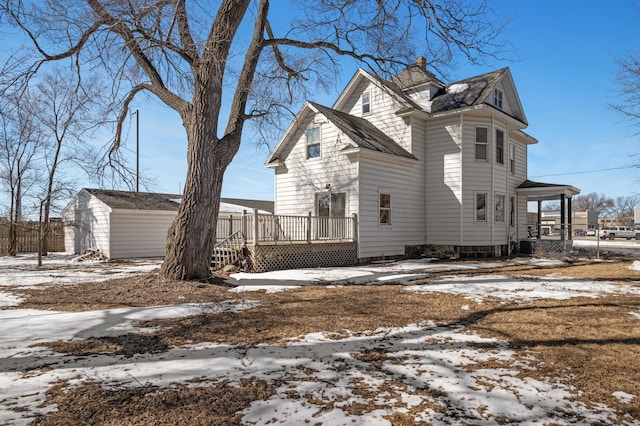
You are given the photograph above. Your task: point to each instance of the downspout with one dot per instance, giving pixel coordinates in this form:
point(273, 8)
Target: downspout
point(426, 191)
point(507, 201)
point(492, 157)
point(461, 211)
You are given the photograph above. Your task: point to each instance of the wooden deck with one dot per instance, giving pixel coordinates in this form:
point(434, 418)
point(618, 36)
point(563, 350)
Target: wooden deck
point(264, 242)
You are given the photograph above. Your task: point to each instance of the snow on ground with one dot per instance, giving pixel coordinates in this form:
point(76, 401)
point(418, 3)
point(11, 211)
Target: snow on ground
point(418, 356)
point(21, 272)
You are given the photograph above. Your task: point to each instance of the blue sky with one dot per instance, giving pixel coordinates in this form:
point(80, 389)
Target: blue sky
point(564, 70)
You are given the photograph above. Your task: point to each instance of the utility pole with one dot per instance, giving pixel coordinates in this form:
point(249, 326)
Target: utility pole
point(137, 113)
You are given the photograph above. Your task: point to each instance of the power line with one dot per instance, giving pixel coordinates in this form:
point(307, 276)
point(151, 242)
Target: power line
point(590, 171)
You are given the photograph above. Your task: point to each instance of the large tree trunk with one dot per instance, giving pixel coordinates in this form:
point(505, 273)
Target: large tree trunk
point(192, 234)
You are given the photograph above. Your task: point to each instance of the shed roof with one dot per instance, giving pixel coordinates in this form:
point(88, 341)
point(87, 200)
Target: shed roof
point(129, 200)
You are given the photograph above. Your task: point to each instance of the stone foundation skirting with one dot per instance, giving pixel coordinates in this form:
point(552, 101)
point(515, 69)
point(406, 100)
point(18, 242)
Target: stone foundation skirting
point(265, 258)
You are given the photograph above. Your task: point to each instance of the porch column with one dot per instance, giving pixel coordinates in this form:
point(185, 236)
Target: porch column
point(563, 217)
point(539, 224)
point(570, 220)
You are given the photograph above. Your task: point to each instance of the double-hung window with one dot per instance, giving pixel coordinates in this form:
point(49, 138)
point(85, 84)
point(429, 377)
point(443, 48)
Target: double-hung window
point(366, 103)
point(499, 146)
point(512, 158)
point(512, 211)
point(481, 207)
point(481, 142)
point(313, 142)
point(499, 208)
point(497, 98)
point(385, 209)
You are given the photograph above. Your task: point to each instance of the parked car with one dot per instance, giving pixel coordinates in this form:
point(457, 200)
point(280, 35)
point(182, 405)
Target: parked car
point(618, 232)
point(591, 232)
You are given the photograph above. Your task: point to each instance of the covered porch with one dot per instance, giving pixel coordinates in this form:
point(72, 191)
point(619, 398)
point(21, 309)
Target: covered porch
point(539, 192)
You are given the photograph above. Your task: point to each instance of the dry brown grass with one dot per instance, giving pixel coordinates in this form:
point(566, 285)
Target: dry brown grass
point(591, 344)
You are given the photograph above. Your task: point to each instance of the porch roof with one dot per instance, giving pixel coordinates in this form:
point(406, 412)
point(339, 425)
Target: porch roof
point(540, 191)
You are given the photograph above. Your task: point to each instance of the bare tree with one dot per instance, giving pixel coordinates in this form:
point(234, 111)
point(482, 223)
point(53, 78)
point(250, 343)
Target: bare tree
point(628, 79)
point(622, 208)
point(189, 55)
point(592, 201)
point(20, 141)
point(63, 110)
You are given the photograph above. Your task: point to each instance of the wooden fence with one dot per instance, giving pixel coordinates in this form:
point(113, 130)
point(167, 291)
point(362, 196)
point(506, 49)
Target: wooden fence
point(28, 237)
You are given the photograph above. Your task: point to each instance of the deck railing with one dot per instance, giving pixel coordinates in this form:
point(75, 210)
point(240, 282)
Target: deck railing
point(268, 228)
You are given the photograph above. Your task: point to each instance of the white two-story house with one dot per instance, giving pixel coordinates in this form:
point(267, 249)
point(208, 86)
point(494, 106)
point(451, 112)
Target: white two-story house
point(423, 164)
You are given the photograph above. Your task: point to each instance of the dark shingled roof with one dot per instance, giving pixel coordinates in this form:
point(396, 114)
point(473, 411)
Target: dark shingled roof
point(531, 184)
point(362, 132)
point(414, 75)
point(128, 200)
point(480, 87)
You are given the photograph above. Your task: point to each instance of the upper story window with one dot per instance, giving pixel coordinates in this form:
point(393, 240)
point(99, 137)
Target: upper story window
point(497, 98)
point(385, 209)
point(366, 103)
point(481, 142)
point(313, 142)
point(499, 146)
point(512, 158)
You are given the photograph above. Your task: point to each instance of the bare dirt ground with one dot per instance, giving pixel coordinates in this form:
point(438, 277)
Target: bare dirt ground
point(592, 344)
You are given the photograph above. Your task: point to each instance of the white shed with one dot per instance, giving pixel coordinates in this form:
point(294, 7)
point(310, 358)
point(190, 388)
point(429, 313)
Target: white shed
point(123, 224)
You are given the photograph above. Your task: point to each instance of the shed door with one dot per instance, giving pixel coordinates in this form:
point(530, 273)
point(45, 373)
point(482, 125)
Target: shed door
point(84, 232)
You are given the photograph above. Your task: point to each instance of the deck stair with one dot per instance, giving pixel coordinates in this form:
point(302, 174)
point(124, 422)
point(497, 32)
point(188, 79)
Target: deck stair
point(228, 251)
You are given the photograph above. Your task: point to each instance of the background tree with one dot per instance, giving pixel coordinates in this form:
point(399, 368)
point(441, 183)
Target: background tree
point(592, 201)
point(63, 110)
point(628, 79)
point(189, 55)
point(622, 208)
point(20, 142)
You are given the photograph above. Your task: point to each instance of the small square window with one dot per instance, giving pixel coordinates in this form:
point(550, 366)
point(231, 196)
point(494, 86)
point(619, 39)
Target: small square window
point(313, 142)
point(366, 103)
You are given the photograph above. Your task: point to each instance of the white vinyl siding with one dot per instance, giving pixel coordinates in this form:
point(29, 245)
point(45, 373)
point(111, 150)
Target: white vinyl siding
point(298, 182)
point(87, 222)
point(407, 203)
point(382, 114)
point(139, 233)
point(444, 181)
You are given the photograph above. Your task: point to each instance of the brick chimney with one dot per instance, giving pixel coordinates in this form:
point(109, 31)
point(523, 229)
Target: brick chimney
point(421, 62)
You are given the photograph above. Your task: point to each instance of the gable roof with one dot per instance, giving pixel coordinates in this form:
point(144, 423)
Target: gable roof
point(362, 132)
point(474, 91)
point(128, 200)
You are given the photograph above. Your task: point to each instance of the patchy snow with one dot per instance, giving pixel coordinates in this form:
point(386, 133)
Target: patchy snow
point(635, 266)
point(624, 397)
point(418, 357)
point(457, 88)
point(22, 272)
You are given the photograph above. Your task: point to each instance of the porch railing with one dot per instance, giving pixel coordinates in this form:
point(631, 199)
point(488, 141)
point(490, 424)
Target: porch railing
point(258, 228)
